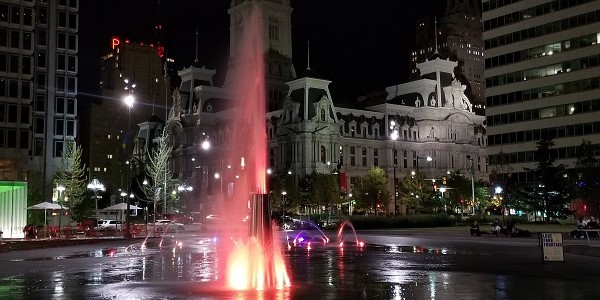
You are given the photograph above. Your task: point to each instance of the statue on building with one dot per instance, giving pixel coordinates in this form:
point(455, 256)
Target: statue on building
point(176, 108)
point(418, 102)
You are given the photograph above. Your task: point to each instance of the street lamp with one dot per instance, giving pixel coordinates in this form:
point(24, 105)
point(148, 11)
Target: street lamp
point(283, 206)
point(185, 188)
point(129, 100)
point(95, 185)
point(60, 188)
point(443, 190)
point(394, 137)
point(498, 191)
point(218, 176)
point(472, 169)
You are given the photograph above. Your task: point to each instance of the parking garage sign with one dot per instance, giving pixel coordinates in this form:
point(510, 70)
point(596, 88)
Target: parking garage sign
point(552, 246)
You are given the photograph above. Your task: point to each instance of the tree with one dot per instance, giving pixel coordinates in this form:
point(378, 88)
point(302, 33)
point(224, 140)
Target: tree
point(417, 193)
point(371, 190)
point(549, 192)
point(158, 171)
point(459, 190)
point(500, 176)
point(588, 176)
point(72, 175)
point(288, 202)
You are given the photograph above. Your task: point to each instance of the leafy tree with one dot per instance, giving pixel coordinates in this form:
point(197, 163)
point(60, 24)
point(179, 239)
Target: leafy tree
point(417, 193)
point(588, 176)
point(459, 190)
point(72, 175)
point(500, 176)
point(549, 192)
point(288, 202)
point(157, 171)
point(371, 190)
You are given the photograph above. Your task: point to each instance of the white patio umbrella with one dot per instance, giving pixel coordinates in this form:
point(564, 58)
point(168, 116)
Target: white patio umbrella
point(45, 206)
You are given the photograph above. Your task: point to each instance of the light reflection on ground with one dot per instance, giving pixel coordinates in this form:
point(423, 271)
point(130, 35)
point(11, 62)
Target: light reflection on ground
point(388, 271)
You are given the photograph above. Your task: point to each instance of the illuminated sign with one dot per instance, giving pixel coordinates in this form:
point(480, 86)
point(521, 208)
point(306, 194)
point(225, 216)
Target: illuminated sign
point(115, 42)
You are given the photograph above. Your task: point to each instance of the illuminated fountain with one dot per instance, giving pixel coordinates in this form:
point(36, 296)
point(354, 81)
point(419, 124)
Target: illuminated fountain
point(253, 262)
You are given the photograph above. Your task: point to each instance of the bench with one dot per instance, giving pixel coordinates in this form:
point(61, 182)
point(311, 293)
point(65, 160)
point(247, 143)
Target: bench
point(587, 235)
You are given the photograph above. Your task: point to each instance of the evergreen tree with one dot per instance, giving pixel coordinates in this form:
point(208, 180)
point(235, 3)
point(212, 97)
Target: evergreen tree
point(588, 176)
point(72, 175)
point(549, 192)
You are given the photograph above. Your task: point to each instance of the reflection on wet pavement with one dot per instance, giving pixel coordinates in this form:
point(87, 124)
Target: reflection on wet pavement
point(326, 272)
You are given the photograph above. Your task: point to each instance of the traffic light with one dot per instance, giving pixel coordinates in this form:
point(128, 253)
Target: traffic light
point(444, 180)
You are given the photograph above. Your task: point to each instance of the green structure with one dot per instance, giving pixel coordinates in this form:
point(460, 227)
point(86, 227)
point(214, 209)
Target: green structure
point(13, 215)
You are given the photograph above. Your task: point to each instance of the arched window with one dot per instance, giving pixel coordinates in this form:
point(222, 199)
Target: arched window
point(323, 114)
point(323, 154)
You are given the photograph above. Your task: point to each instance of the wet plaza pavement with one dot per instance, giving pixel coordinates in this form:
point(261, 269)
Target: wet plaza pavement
point(388, 266)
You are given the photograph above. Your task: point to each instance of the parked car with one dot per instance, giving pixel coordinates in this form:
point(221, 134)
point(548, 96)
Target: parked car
point(213, 219)
point(166, 225)
point(179, 218)
point(109, 225)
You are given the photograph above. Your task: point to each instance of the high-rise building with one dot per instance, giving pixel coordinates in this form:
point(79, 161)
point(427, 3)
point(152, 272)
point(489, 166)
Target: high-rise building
point(128, 69)
point(38, 86)
point(541, 74)
point(458, 37)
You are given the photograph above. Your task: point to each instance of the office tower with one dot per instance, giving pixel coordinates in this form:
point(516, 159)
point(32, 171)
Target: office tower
point(130, 68)
point(38, 87)
point(541, 77)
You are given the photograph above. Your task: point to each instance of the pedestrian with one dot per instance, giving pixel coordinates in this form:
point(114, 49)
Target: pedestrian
point(475, 229)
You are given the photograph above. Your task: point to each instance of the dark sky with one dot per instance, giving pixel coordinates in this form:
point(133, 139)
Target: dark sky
point(360, 45)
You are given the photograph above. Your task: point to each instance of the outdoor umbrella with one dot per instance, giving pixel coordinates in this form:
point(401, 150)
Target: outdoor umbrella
point(45, 206)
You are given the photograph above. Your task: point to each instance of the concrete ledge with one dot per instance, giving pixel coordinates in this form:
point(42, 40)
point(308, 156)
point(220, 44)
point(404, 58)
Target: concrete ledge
point(583, 250)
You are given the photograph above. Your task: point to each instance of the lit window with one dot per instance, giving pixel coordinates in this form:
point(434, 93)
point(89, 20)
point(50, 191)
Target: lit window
point(108, 136)
point(104, 170)
point(109, 156)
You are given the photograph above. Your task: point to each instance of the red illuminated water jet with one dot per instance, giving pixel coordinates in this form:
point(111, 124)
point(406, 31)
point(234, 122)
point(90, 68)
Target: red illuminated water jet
point(253, 262)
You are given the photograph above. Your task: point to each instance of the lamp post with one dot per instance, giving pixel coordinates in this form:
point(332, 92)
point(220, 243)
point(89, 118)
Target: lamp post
point(394, 137)
point(60, 188)
point(95, 185)
point(443, 190)
point(129, 100)
point(185, 188)
point(219, 177)
point(472, 169)
point(283, 193)
point(498, 191)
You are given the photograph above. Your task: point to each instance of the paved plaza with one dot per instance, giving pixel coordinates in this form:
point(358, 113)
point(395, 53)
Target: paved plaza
point(392, 264)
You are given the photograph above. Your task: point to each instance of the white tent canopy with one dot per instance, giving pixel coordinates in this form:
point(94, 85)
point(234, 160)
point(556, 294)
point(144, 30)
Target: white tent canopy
point(122, 206)
point(45, 206)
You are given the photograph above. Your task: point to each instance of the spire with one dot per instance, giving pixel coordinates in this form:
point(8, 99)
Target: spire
point(435, 34)
point(196, 60)
point(308, 58)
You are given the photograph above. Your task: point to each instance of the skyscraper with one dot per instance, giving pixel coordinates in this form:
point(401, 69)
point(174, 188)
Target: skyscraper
point(541, 76)
point(129, 68)
point(38, 86)
point(458, 37)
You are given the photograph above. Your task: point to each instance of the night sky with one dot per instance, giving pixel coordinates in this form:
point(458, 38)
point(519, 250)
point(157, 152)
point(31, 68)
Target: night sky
point(360, 45)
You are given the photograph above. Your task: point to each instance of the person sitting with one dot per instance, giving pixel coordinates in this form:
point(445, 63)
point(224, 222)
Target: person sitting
point(475, 229)
point(510, 227)
point(496, 227)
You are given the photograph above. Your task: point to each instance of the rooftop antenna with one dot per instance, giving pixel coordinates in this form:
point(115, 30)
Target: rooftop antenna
point(196, 60)
point(308, 54)
point(436, 33)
